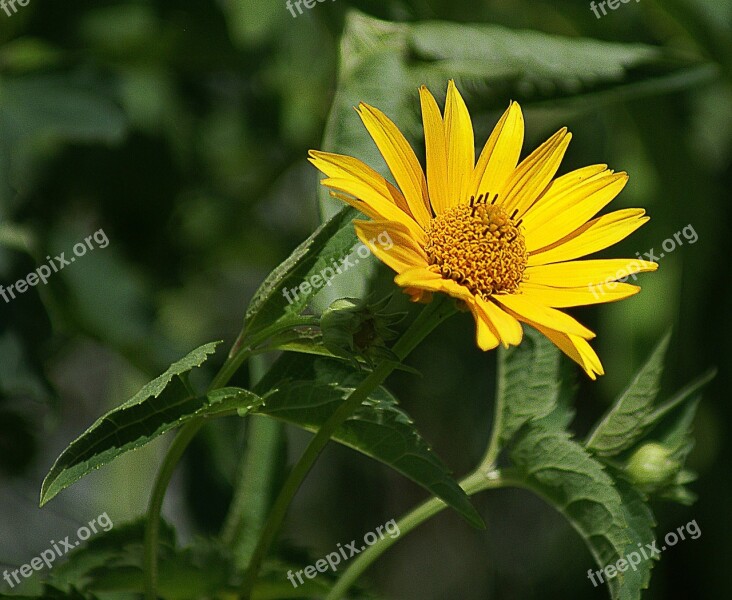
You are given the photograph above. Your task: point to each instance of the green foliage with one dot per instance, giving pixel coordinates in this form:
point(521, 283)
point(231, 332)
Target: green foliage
point(331, 242)
point(528, 383)
point(601, 486)
point(626, 421)
point(567, 476)
point(161, 405)
point(306, 391)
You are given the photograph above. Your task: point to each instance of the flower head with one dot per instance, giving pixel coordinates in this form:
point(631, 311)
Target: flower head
point(500, 235)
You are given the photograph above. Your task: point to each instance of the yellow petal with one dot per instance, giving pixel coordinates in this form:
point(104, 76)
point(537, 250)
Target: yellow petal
point(577, 349)
point(400, 159)
point(534, 174)
point(392, 244)
point(436, 148)
point(427, 280)
point(339, 166)
point(529, 310)
point(460, 146)
point(506, 326)
point(577, 296)
point(373, 205)
point(500, 154)
point(580, 273)
point(596, 235)
point(559, 213)
point(486, 336)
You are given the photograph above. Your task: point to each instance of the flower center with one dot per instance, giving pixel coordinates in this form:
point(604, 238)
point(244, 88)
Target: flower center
point(479, 246)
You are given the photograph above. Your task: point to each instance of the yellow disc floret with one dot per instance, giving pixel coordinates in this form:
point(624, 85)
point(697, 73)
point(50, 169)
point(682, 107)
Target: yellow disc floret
point(478, 246)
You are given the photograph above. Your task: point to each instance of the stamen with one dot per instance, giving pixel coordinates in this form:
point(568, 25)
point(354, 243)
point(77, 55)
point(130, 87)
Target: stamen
point(478, 246)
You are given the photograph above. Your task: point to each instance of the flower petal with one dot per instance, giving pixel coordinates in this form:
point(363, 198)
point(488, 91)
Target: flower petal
point(399, 250)
point(486, 336)
point(531, 311)
point(425, 279)
point(505, 325)
point(561, 211)
point(500, 154)
point(339, 166)
point(577, 296)
point(460, 146)
point(596, 235)
point(373, 205)
point(577, 349)
point(436, 149)
point(580, 273)
point(400, 159)
point(534, 174)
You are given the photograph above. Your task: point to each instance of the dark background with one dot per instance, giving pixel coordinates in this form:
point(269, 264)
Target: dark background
point(181, 129)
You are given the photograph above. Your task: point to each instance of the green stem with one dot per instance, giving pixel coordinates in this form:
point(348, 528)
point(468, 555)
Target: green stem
point(477, 481)
point(433, 314)
point(488, 462)
point(152, 529)
point(185, 436)
point(255, 481)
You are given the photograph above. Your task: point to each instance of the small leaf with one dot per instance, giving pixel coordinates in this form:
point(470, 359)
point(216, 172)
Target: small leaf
point(306, 391)
point(158, 407)
point(625, 422)
point(528, 382)
point(280, 296)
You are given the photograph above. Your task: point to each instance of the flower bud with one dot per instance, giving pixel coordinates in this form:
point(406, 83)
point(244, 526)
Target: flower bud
point(352, 328)
point(652, 466)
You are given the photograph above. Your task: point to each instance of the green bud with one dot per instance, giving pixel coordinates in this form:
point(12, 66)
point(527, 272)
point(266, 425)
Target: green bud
point(651, 466)
point(352, 328)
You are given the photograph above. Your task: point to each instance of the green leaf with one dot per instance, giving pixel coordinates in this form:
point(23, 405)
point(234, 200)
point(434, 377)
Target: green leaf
point(641, 523)
point(610, 516)
point(330, 242)
point(158, 407)
point(111, 564)
point(305, 391)
point(626, 420)
point(496, 63)
point(528, 383)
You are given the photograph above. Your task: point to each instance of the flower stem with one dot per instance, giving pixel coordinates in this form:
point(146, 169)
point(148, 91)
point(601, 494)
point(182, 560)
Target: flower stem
point(433, 314)
point(477, 481)
point(185, 436)
point(494, 446)
point(152, 528)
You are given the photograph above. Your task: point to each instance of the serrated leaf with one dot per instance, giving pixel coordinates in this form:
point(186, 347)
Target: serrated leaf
point(332, 241)
point(532, 67)
point(158, 407)
point(528, 382)
point(641, 523)
point(625, 422)
point(561, 471)
point(306, 391)
point(111, 564)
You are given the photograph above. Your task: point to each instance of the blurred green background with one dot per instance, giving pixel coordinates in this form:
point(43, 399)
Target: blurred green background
point(182, 128)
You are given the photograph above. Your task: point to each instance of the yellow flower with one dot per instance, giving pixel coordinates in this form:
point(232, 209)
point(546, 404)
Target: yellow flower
point(501, 236)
